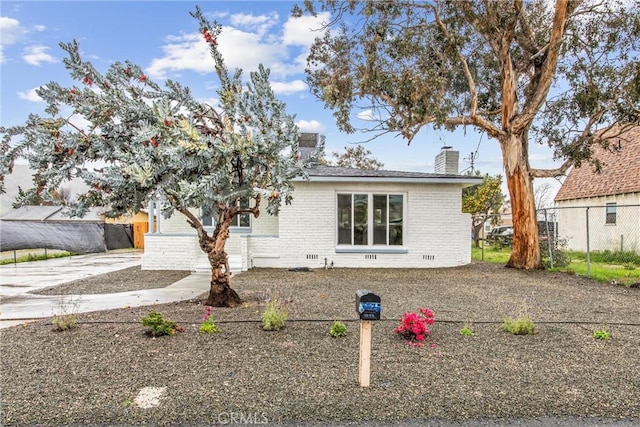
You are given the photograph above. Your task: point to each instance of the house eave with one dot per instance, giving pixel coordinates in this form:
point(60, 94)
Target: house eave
point(464, 181)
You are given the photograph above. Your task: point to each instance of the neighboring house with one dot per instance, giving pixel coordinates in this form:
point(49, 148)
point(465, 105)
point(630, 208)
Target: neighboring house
point(340, 217)
point(613, 198)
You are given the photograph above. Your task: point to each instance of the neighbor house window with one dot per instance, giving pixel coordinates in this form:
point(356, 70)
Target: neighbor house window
point(370, 219)
point(239, 221)
point(611, 213)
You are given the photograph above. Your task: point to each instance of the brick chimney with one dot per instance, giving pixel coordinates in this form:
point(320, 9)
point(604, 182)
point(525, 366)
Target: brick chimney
point(447, 161)
point(307, 143)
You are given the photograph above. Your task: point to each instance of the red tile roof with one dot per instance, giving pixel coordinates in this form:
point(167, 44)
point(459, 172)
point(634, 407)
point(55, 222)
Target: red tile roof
point(620, 171)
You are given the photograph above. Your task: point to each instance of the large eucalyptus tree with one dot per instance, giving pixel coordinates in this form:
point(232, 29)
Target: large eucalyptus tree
point(144, 142)
point(564, 74)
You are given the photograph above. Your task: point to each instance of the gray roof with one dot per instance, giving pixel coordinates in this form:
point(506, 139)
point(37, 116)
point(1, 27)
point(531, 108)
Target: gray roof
point(334, 173)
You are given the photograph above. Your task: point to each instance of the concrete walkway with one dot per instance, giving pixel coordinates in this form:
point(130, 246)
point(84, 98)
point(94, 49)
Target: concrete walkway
point(17, 280)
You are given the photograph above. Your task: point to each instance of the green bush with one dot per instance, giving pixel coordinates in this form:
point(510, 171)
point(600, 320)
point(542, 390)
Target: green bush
point(64, 322)
point(559, 253)
point(615, 257)
point(208, 327)
point(158, 326)
point(601, 334)
point(520, 325)
point(466, 331)
point(338, 329)
point(275, 316)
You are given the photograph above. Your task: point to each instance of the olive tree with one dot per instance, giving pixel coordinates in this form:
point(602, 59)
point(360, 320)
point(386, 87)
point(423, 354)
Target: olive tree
point(565, 74)
point(146, 142)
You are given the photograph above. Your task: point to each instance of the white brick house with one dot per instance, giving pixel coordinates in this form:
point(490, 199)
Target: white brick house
point(345, 217)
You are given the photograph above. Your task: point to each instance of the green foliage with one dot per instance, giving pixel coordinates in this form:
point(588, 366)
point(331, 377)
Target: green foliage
point(466, 331)
point(275, 315)
point(157, 326)
point(522, 323)
point(356, 157)
point(338, 329)
point(484, 199)
point(64, 322)
point(35, 257)
point(208, 327)
point(616, 257)
point(559, 252)
point(601, 334)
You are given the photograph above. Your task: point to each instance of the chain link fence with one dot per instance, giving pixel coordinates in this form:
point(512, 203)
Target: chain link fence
point(610, 231)
point(607, 233)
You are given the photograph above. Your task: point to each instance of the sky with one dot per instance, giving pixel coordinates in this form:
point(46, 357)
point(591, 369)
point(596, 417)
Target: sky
point(163, 38)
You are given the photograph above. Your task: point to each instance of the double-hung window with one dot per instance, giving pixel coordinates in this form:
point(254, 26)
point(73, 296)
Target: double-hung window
point(366, 219)
point(611, 214)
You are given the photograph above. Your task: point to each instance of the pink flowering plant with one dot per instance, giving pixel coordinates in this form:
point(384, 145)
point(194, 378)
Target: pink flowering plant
point(414, 327)
point(208, 326)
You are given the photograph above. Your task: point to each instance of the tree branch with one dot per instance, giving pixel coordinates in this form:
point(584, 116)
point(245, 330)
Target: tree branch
point(534, 102)
point(551, 173)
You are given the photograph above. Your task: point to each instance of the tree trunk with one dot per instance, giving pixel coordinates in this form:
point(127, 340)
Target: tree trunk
point(525, 253)
point(220, 293)
point(476, 233)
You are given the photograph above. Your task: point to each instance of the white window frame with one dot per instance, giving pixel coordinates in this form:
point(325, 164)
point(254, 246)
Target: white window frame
point(210, 222)
point(370, 247)
point(611, 213)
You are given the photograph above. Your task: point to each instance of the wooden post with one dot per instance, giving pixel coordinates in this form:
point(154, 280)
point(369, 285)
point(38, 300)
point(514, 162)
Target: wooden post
point(365, 352)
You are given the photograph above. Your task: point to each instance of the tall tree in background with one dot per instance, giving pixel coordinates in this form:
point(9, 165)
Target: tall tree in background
point(357, 157)
point(162, 144)
point(483, 202)
point(491, 65)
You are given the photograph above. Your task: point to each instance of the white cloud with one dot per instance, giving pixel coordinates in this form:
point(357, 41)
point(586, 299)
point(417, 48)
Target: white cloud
point(303, 30)
point(312, 126)
point(30, 95)
point(367, 115)
point(259, 23)
point(249, 40)
point(36, 55)
point(190, 52)
point(10, 33)
point(288, 88)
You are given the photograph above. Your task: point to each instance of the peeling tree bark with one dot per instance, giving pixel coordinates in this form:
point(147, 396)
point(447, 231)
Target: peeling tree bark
point(220, 292)
point(525, 253)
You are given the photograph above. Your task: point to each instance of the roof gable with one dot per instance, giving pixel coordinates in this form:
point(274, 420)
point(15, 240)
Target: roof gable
point(620, 171)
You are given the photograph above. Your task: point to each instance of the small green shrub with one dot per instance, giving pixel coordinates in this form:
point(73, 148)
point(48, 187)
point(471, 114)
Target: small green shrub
point(601, 334)
point(64, 322)
point(466, 331)
point(208, 326)
point(158, 326)
point(520, 325)
point(338, 329)
point(275, 316)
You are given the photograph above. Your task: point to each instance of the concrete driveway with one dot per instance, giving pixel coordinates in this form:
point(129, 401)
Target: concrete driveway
point(17, 304)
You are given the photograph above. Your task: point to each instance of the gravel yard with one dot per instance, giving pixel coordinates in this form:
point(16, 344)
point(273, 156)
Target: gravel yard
point(93, 374)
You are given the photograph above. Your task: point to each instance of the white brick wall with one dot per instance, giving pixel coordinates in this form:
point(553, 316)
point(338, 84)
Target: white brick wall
point(437, 233)
point(170, 251)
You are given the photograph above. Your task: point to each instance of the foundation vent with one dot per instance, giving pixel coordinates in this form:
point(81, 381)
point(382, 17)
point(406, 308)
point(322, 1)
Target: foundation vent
point(428, 257)
point(312, 256)
point(370, 256)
